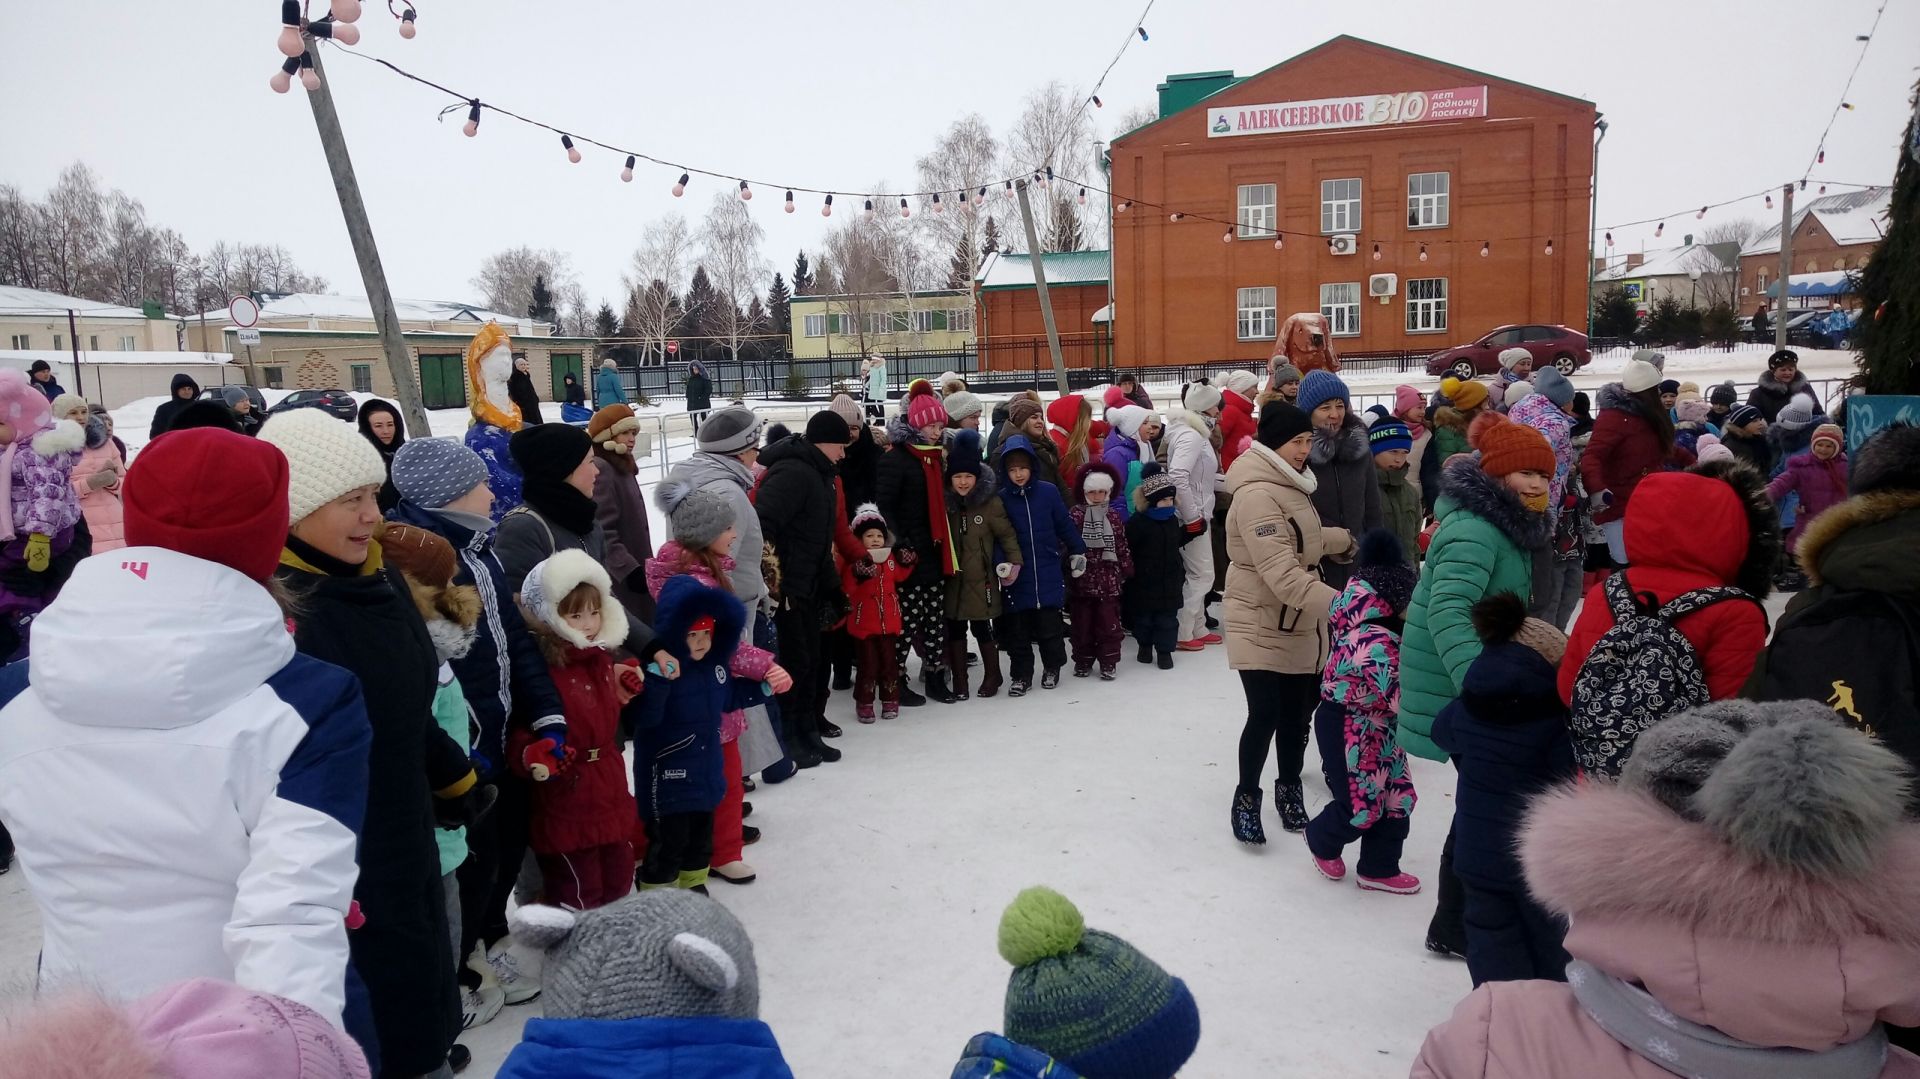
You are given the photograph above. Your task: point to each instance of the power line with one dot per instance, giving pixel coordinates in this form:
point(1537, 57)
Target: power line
point(1866, 41)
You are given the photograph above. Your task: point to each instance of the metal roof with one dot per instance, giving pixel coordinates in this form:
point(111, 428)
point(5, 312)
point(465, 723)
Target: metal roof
point(1014, 269)
point(1851, 217)
point(15, 300)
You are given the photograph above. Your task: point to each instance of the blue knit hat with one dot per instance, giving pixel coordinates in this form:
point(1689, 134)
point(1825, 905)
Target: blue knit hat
point(1320, 387)
point(1088, 998)
point(1389, 434)
point(431, 472)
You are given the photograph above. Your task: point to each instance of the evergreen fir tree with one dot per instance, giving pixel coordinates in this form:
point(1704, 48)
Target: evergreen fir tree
point(697, 310)
point(606, 323)
point(541, 308)
point(991, 243)
point(802, 275)
point(1888, 333)
point(780, 300)
point(960, 267)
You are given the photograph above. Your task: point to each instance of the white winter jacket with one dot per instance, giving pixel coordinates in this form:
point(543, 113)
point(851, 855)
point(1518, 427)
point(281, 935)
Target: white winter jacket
point(1192, 464)
point(184, 790)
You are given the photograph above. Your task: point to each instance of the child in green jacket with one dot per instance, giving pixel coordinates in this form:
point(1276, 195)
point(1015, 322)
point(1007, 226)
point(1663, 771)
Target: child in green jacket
point(1392, 443)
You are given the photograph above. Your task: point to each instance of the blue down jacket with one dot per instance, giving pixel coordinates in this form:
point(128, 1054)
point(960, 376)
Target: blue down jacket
point(1047, 535)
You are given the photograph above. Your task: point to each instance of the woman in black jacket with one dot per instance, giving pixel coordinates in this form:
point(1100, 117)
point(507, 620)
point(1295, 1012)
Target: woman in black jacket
point(381, 426)
point(356, 613)
point(521, 392)
point(576, 394)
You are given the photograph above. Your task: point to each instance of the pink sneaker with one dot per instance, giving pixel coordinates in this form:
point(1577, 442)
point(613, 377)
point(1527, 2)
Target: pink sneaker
point(1195, 645)
point(1333, 869)
point(864, 712)
point(1212, 638)
point(1398, 884)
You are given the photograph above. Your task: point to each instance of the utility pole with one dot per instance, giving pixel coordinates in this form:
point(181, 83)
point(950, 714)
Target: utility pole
point(1786, 266)
point(1040, 285)
point(79, 382)
point(360, 231)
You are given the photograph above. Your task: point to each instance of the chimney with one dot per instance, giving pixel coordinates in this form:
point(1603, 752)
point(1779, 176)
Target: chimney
point(1599, 265)
point(1635, 260)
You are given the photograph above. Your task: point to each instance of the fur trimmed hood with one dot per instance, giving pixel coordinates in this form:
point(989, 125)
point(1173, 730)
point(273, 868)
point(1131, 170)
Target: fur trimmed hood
point(65, 436)
point(1767, 384)
point(684, 600)
point(549, 582)
point(1097, 467)
point(452, 614)
point(1616, 396)
point(1755, 576)
point(1348, 444)
point(1866, 542)
point(985, 486)
point(1473, 491)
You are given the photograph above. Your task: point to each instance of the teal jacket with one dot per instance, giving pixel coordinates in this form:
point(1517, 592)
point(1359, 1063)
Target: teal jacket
point(450, 711)
point(1483, 545)
point(607, 389)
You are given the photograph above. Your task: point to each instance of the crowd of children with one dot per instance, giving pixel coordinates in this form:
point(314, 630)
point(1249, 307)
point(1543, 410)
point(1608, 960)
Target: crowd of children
point(1396, 581)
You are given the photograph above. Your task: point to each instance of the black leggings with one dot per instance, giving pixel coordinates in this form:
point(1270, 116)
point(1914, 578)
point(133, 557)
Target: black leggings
point(1279, 710)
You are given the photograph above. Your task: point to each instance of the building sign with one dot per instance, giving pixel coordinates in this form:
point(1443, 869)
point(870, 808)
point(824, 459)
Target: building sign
point(1362, 110)
point(1632, 291)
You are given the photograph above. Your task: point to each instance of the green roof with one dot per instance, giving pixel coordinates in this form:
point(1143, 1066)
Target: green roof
point(1015, 269)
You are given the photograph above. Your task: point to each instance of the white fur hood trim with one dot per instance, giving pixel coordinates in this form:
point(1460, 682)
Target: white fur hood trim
point(64, 436)
point(550, 581)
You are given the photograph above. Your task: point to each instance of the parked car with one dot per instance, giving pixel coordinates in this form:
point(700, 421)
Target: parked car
point(338, 403)
point(1554, 346)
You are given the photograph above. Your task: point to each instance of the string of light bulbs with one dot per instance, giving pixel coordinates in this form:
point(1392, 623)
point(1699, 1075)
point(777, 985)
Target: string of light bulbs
point(1844, 105)
point(1138, 33)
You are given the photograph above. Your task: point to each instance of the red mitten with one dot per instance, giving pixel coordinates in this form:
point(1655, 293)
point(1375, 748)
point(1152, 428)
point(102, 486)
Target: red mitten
point(905, 556)
point(545, 758)
point(629, 680)
point(865, 570)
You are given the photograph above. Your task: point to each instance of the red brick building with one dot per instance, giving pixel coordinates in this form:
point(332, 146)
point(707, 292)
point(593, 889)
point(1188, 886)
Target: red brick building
point(1830, 232)
point(1010, 332)
point(1365, 158)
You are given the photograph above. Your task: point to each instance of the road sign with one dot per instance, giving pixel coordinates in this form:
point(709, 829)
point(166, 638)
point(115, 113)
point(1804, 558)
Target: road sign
point(245, 314)
point(249, 336)
point(672, 347)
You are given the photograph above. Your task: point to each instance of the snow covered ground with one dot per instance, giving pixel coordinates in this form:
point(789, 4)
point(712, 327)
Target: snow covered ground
point(882, 879)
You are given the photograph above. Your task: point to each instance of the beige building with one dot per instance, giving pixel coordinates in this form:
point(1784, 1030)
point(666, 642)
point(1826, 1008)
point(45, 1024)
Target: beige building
point(36, 321)
point(854, 325)
point(114, 378)
point(310, 341)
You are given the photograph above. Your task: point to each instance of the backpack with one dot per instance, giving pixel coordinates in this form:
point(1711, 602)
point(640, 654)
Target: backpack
point(1640, 671)
point(1856, 652)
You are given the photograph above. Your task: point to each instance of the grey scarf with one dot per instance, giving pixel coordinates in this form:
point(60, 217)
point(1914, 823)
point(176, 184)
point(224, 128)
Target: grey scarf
point(1642, 1024)
point(1096, 529)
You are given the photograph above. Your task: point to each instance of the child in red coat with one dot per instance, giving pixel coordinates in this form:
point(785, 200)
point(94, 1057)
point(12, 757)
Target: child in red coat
point(873, 618)
point(582, 810)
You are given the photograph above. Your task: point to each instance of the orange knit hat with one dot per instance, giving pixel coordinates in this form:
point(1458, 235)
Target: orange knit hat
point(1507, 447)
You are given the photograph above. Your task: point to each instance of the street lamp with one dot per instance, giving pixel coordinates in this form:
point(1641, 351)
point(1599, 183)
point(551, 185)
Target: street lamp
point(1693, 300)
point(1593, 215)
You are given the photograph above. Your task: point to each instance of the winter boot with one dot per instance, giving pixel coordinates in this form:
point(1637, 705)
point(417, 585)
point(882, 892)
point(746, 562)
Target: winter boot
point(990, 659)
point(746, 810)
point(458, 1057)
point(1398, 884)
point(828, 729)
point(1146, 652)
point(1081, 669)
point(864, 712)
point(1050, 678)
point(957, 668)
point(734, 873)
point(889, 710)
point(1107, 672)
point(1018, 687)
point(1166, 660)
point(937, 687)
point(908, 698)
point(1290, 800)
point(749, 835)
point(1246, 816)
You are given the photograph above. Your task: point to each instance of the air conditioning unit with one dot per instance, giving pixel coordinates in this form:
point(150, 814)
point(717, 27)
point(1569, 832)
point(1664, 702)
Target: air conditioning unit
point(1343, 244)
point(1383, 285)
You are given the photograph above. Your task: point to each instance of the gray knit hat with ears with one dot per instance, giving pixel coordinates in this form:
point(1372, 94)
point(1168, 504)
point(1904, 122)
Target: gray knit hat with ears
point(1787, 783)
point(697, 515)
point(657, 954)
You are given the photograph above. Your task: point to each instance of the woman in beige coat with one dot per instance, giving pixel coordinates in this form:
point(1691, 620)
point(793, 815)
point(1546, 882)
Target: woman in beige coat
point(1276, 609)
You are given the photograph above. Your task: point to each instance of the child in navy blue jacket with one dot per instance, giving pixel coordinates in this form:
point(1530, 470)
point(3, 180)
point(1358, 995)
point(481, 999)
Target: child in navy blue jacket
point(1508, 736)
point(1151, 601)
point(1047, 536)
point(678, 774)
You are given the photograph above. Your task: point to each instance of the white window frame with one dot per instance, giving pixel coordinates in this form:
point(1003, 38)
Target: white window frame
point(960, 319)
point(128, 343)
point(354, 373)
point(1429, 200)
point(1258, 210)
point(1342, 309)
point(22, 341)
point(1427, 305)
point(813, 325)
point(1256, 313)
point(59, 343)
point(93, 342)
point(1339, 205)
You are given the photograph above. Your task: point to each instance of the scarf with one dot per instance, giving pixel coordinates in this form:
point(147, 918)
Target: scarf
point(559, 502)
point(1303, 480)
point(1634, 1019)
point(1161, 513)
point(931, 458)
point(1414, 429)
point(1096, 530)
point(307, 558)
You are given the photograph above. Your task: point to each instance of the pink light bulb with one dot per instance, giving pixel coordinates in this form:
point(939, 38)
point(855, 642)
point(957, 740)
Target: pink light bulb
point(573, 155)
point(1279, 243)
point(471, 127)
point(903, 208)
point(309, 78)
point(680, 186)
point(626, 171)
point(826, 208)
point(290, 43)
point(406, 24)
point(346, 34)
point(746, 193)
point(281, 82)
point(346, 11)
point(789, 206)
point(1226, 237)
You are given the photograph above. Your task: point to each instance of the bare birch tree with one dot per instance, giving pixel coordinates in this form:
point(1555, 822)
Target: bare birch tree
point(505, 280)
point(730, 242)
point(657, 272)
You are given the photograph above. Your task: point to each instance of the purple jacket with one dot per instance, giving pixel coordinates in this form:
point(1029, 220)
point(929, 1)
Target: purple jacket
point(1820, 485)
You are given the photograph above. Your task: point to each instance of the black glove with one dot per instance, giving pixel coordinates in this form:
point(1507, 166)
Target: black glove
point(465, 810)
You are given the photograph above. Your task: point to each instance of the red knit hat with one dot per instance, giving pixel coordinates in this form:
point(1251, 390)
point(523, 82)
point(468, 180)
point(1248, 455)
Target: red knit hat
point(1507, 447)
point(212, 494)
point(925, 410)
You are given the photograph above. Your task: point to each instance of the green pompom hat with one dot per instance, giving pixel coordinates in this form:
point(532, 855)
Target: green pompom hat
point(1089, 999)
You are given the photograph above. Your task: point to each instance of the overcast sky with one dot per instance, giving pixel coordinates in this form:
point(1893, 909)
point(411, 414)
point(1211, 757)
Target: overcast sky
point(1706, 99)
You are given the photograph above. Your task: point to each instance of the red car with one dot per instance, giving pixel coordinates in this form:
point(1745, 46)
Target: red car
point(1552, 346)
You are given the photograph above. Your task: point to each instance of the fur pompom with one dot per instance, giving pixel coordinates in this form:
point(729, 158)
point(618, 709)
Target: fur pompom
point(1499, 617)
point(670, 493)
point(78, 1036)
point(1481, 424)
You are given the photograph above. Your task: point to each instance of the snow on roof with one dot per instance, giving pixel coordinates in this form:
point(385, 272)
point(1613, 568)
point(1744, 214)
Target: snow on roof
point(1668, 262)
point(1104, 315)
point(1851, 217)
point(25, 357)
point(15, 300)
point(1011, 269)
point(344, 308)
point(1824, 283)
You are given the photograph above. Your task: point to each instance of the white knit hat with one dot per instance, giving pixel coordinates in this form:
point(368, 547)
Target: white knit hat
point(326, 458)
point(1639, 375)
